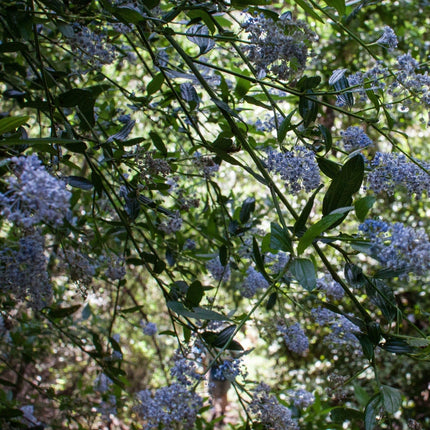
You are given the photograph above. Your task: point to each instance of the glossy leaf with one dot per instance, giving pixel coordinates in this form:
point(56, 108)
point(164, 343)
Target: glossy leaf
point(303, 271)
point(372, 411)
point(363, 205)
point(11, 123)
point(196, 313)
point(346, 183)
point(248, 206)
point(79, 182)
point(199, 34)
point(279, 240)
point(315, 230)
point(392, 399)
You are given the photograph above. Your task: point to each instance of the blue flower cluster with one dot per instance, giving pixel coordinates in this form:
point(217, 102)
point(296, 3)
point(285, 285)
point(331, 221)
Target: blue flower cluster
point(173, 406)
point(217, 270)
point(253, 282)
point(23, 271)
point(298, 168)
point(279, 46)
point(343, 331)
point(149, 328)
point(34, 195)
point(355, 138)
point(331, 288)
point(388, 38)
point(399, 247)
point(301, 398)
point(392, 171)
point(228, 370)
point(269, 411)
point(294, 337)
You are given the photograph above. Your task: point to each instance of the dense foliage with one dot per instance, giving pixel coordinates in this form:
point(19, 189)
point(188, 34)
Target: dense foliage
point(203, 196)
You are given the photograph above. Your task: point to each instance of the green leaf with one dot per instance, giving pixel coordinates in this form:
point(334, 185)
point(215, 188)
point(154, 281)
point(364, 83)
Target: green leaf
point(371, 411)
point(155, 84)
point(196, 313)
point(328, 167)
point(128, 15)
point(308, 108)
point(79, 182)
point(132, 310)
point(66, 29)
point(256, 102)
point(325, 133)
point(248, 206)
point(242, 87)
point(361, 394)
point(397, 345)
point(11, 123)
point(223, 106)
point(340, 414)
point(158, 143)
point(315, 230)
point(303, 271)
point(74, 97)
point(195, 294)
point(339, 5)
point(344, 185)
point(392, 399)
point(279, 240)
point(363, 205)
point(367, 346)
point(285, 126)
point(13, 47)
point(354, 275)
point(300, 225)
point(309, 10)
point(223, 255)
point(306, 83)
point(381, 295)
point(62, 312)
point(271, 302)
point(257, 256)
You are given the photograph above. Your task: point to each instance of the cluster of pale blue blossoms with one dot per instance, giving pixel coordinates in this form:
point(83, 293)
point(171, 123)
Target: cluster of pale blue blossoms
point(388, 38)
point(269, 412)
point(23, 271)
point(175, 405)
point(253, 282)
point(92, 47)
point(393, 171)
point(295, 338)
point(400, 85)
point(218, 271)
point(185, 371)
point(301, 398)
point(173, 225)
point(331, 288)
point(206, 165)
point(228, 370)
point(398, 247)
point(342, 330)
point(298, 168)
point(355, 138)
point(172, 406)
point(280, 47)
point(149, 328)
point(33, 195)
